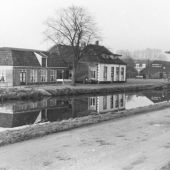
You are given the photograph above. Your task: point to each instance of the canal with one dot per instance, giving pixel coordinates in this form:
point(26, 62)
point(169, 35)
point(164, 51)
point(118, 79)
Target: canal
point(19, 113)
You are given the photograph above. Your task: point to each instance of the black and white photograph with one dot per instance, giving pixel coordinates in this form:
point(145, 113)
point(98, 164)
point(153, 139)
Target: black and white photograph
point(85, 85)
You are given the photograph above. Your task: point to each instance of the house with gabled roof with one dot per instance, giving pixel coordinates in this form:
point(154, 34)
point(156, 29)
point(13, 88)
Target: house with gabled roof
point(102, 65)
point(26, 66)
point(97, 64)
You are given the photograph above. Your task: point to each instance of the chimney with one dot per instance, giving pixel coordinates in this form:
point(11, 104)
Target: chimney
point(97, 43)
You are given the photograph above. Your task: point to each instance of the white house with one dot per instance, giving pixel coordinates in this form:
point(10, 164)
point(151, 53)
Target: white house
point(100, 65)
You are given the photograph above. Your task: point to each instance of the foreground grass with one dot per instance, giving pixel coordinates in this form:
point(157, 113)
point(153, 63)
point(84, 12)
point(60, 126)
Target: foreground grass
point(39, 130)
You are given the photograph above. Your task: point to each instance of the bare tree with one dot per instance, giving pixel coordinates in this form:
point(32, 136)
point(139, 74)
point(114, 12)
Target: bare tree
point(73, 26)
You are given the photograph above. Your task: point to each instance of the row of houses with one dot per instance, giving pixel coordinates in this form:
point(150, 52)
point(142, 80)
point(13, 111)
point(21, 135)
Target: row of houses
point(26, 66)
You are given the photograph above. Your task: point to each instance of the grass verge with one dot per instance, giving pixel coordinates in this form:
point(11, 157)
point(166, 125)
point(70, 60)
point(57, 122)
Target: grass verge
point(38, 93)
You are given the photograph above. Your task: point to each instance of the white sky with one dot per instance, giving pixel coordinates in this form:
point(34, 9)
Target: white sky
point(124, 24)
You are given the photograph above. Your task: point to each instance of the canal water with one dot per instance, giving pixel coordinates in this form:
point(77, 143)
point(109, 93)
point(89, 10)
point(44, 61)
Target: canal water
point(19, 113)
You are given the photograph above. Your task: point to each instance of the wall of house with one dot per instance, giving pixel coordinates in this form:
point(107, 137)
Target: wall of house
point(109, 77)
point(93, 71)
point(16, 75)
point(17, 70)
point(6, 76)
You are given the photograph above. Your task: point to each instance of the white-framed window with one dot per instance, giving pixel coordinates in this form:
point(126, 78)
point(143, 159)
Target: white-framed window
point(104, 102)
point(52, 75)
point(111, 101)
point(122, 101)
point(92, 101)
point(105, 72)
point(117, 73)
point(33, 75)
point(116, 101)
point(43, 75)
point(2, 75)
point(112, 73)
point(122, 72)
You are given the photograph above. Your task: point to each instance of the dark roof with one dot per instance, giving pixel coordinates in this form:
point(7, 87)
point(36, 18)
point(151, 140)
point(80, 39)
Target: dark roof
point(18, 57)
point(27, 57)
point(24, 58)
point(97, 49)
point(91, 53)
point(54, 60)
point(100, 54)
point(64, 53)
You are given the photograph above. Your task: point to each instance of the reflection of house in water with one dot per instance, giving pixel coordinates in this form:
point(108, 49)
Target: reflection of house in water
point(22, 113)
point(102, 104)
point(56, 109)
point(52, 109)
point(158, 96)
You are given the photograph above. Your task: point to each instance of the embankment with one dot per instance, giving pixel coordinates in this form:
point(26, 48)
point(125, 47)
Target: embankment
point(35, 93)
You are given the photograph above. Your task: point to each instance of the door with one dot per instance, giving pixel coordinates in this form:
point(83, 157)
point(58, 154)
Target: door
point(22, 77)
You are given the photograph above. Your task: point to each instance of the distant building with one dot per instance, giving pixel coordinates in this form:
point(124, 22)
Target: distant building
point(140, 65)
point(157, 70)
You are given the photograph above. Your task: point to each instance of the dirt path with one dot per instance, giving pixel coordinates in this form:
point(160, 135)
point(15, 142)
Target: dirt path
point(136, 143)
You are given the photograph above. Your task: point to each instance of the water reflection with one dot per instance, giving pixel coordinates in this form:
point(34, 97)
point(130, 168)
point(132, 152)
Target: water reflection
point(14, 114)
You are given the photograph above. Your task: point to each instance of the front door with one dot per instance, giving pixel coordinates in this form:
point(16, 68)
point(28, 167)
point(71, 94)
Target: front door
point(22, 77)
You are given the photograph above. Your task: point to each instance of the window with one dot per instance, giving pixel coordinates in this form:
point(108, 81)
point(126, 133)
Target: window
point(112, 73)
point(60, 74)
point(52, 75)
point(111, 101)
point(104, 102)
point(93, 74)
point(117, 73)
point(116, 101)
point(137, 65)
point(43, 75)
point(33, 76)
point(44, 62)
point(121, 102)
point(122, 72)
point(105, 72)
point(2, 75)
point(22, 76)
point(92, 101)
point(117, 70)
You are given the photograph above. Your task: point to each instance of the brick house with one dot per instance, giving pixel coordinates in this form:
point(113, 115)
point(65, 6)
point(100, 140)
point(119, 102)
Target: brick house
point(25, 66)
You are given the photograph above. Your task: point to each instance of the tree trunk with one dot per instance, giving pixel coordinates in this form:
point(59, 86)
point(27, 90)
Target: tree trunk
point(74, 76)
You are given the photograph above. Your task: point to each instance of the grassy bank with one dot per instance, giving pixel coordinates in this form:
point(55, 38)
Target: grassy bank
point(37, 92)
point(39, 130)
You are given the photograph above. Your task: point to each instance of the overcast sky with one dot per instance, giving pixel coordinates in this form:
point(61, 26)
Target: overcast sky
point(124, 24)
